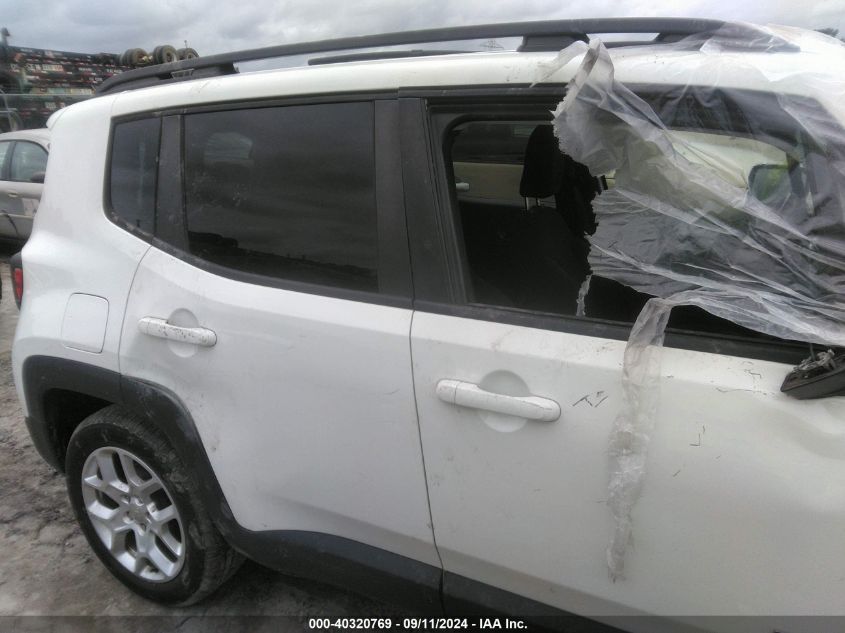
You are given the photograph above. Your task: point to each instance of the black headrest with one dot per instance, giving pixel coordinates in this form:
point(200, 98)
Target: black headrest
point(542, 172)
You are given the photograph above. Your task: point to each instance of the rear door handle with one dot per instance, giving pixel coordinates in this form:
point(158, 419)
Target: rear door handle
point(12, 194)
point(467, 394)
point(160, 328)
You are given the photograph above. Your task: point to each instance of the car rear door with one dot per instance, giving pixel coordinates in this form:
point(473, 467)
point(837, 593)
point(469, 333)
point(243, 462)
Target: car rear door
point(743, 505)
point(276, 306)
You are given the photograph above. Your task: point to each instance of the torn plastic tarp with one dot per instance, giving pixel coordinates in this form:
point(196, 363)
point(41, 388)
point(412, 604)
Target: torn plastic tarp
point(766, 251)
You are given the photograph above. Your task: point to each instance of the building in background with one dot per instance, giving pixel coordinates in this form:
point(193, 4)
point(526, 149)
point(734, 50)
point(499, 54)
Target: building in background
point(36, 82)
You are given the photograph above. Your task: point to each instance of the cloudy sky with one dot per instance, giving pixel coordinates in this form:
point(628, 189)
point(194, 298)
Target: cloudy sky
point(214, 26)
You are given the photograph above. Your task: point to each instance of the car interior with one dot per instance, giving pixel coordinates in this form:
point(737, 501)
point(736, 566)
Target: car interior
point(525, 226)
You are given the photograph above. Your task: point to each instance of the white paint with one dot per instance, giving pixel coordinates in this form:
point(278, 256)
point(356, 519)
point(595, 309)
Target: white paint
point(743, 512)
point(84, 323)
point(305, 405)
point(74, 247)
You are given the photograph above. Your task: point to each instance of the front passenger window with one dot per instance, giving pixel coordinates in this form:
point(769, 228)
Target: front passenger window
point(28, 160)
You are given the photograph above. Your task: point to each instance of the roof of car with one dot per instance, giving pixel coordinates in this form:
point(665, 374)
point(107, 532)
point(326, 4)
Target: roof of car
point(739, 64)
point(39, 135)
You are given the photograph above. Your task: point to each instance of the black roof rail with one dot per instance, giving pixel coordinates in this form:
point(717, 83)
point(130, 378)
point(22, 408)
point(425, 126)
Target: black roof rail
point(537, 36)
point(371, 55)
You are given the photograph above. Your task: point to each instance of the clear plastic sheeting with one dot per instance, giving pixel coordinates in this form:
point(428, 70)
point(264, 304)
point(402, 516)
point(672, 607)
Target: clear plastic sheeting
point(720, 196)
point(583, 291)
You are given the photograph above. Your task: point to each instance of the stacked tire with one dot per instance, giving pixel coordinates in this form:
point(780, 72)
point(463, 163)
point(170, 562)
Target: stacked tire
point(187, 53)
point(163, 54)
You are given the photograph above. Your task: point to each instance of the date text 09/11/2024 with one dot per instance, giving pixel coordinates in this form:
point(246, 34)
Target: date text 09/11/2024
point(416, 623)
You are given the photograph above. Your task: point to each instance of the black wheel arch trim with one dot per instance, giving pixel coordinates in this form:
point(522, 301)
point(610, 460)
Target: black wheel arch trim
point(43, 374)
point(367, 570)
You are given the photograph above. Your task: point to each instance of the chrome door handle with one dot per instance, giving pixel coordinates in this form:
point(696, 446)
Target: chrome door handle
point(160, 328)
point(12, 194)
point(467, 394)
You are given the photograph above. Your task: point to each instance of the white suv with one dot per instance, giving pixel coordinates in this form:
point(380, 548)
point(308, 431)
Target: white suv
point(337, 319)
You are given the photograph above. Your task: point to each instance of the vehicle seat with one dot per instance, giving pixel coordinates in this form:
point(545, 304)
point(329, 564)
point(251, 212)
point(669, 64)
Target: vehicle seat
point(552, 251)
point(548, 172)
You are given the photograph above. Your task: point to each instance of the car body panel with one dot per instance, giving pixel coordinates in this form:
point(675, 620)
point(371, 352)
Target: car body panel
point(105, 257)
point(742, 504)
point(330, 433)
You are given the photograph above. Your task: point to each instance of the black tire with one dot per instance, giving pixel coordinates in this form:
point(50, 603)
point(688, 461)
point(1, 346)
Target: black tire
point(136, 56)
point(187, 53)
point(164, 54)
point(208, 560)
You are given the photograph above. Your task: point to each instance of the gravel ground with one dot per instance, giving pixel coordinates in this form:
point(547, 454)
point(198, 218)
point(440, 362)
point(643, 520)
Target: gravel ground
point(47, 569)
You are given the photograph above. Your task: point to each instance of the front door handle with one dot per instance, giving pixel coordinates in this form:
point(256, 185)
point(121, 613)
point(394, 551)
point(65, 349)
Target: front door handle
point(467, 394)
point(160, 328)
point(12, 194)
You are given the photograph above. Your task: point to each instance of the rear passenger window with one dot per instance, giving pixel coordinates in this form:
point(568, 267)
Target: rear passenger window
point(287, 192)
point(525, 213)
point(134, 168)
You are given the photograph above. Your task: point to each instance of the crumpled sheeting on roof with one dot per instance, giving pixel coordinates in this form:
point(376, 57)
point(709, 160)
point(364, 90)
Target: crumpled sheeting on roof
point(677, 226)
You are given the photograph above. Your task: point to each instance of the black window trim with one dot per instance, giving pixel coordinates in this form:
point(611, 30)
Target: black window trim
point(394, 266)
point(455, 302)
point(169, 188)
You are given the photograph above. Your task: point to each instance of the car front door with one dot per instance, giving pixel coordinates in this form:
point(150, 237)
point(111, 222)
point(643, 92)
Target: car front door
point(744, 497)
point(286, 276)
point(7, 202)
point(27, 165)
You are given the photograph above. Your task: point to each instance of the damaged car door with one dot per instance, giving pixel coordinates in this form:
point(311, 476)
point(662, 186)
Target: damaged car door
point(519, 380)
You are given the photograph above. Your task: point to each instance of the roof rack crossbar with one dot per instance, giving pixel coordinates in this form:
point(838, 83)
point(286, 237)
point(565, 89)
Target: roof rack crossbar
point(578, 29)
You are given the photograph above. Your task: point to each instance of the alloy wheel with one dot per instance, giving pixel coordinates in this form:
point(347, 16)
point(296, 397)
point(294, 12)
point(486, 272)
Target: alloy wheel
point(133, 514)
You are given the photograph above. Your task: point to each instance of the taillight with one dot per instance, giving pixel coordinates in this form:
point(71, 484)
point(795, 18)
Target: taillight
point(16, 269)
point(17, 285)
